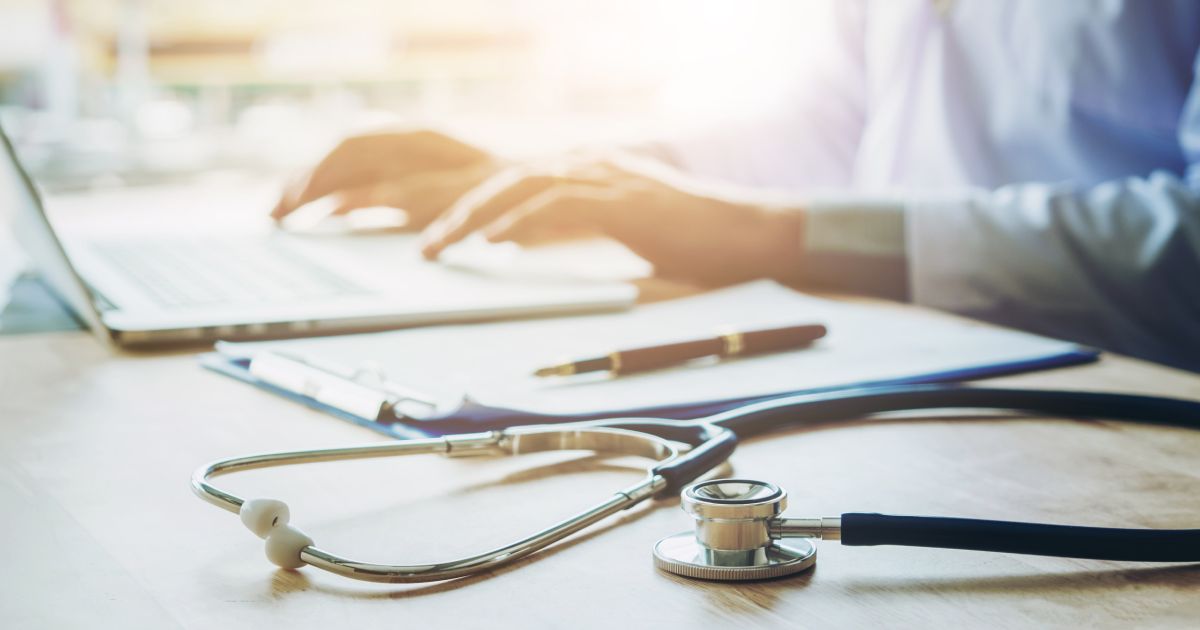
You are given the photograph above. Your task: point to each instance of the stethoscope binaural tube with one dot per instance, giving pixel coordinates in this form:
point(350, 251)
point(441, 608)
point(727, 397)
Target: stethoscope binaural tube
point(660, 441)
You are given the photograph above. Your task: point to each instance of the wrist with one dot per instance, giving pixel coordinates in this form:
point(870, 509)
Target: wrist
point(782, 232)
point(855, 245)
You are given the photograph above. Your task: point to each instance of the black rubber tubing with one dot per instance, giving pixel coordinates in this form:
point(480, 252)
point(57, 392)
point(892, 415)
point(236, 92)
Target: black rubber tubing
point(1065, 541)
point(1146, 545)
point(698, 461)
point(788, 411)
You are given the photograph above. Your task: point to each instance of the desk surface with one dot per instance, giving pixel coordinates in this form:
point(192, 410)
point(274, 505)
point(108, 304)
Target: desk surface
point(101, 529)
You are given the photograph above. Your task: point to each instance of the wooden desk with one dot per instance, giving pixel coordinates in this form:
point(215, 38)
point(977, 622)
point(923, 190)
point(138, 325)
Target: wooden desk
point(101, 530)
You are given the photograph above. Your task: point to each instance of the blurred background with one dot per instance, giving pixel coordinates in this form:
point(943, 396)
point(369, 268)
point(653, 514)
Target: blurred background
point(114, 93)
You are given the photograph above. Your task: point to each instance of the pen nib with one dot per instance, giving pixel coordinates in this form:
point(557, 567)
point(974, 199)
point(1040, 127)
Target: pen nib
point(566, 369)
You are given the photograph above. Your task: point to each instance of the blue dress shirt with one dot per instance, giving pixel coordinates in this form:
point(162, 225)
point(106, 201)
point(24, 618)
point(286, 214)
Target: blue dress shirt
point(1028, 162)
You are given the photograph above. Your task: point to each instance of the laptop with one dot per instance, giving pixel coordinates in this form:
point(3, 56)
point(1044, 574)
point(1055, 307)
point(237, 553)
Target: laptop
point(142, 287)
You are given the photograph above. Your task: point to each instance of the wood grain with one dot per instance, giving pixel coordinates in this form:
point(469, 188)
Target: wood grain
point(101, 529)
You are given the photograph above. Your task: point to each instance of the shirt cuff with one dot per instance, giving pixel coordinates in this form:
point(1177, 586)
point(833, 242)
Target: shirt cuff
point(945, 242)
point(857, 245)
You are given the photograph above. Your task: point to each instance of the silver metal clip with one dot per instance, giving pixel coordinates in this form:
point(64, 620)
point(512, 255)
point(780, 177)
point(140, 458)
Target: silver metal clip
point(365, 392)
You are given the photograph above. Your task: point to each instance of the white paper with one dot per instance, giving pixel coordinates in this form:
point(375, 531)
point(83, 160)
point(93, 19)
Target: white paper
point(12, 263)
point(493, 363)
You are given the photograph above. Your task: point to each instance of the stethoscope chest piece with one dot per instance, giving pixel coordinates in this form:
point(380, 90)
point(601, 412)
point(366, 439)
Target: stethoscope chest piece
point(733, 539)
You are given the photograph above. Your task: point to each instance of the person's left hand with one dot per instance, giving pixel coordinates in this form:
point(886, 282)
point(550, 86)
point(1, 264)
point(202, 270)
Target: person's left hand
point(685, 235)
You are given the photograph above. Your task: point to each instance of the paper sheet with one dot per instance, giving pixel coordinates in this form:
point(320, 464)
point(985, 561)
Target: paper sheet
point(493, 362)
point(12, 263)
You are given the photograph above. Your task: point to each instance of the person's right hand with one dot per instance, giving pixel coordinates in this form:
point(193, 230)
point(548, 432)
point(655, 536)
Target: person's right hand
point(420, 172)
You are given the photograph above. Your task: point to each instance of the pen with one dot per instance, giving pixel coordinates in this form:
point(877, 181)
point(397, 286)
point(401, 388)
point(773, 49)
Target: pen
point(724, 345)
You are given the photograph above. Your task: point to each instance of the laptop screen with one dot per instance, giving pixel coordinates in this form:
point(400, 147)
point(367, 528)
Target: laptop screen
point(33, 231)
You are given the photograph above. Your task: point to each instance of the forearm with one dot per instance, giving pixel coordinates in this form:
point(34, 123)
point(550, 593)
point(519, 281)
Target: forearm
point(1114, 266)
point(847, 244)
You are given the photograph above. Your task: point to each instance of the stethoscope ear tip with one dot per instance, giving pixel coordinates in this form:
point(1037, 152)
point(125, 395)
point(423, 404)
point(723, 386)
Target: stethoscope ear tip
point(284, 546)
point(262, 515)
point(269, 519)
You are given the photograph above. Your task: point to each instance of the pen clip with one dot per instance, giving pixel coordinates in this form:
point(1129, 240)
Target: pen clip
point(364, 393)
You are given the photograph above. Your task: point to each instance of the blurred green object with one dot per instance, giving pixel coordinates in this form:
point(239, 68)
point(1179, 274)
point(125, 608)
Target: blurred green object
point(32, 308)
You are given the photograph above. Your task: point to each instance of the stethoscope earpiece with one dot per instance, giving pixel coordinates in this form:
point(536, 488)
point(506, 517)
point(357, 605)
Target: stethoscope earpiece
point(269, 520)
point(263, 515)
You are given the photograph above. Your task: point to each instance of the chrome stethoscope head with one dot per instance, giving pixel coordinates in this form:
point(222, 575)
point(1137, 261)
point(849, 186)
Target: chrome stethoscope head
point(739, 534)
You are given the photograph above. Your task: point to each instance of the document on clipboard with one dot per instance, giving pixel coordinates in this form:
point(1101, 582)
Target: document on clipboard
point(424, 380)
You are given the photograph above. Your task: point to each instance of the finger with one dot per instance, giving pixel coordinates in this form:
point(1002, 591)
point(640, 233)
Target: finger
point(334, 171)
point(312, 186)
point(286, 203)
point(422, 196)
point(360, 197)
point(358, 161)
point(553, 235)
point(495, 197)
point(479, 207)
point(554, 210)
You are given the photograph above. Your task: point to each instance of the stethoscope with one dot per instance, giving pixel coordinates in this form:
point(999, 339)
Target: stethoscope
point(740, 532)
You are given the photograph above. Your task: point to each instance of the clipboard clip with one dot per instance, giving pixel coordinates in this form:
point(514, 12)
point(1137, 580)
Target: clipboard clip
point(365, 392)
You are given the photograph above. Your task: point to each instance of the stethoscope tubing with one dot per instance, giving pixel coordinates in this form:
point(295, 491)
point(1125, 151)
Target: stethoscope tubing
point(839, 406)
point(712, 440)
point(863, 529)
point(1036, 539)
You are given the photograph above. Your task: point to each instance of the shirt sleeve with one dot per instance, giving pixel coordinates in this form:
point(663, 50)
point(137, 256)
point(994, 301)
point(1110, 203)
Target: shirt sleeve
point(1116, 265)
point(856, 244)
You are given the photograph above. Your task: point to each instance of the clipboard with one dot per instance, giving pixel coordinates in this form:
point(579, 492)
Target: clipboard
point(389, 381)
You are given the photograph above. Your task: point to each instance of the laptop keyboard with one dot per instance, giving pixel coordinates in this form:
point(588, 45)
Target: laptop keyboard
point(204, 272)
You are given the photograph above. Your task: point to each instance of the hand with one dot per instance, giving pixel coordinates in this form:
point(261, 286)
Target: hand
point(685, 235)
point(421, 172)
